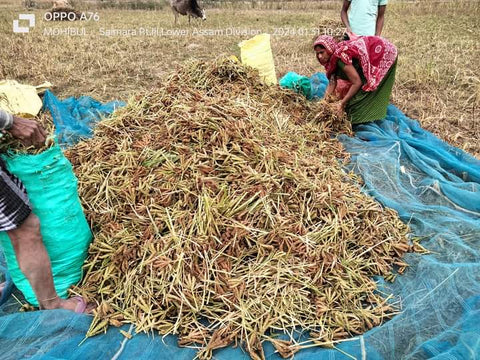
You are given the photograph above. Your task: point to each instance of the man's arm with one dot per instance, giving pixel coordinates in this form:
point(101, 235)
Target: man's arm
point(380, 20)
point(6, 120)
point(344, 15)
point(28, 131)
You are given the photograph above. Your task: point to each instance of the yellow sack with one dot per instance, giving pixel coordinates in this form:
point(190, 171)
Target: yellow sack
point(257, 53)
point(19, 99)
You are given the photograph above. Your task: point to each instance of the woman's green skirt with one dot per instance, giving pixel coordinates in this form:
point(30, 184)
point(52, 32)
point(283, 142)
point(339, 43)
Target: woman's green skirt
point(368, 106)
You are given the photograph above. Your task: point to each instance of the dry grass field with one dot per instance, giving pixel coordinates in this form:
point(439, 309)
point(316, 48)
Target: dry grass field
point(438, 78)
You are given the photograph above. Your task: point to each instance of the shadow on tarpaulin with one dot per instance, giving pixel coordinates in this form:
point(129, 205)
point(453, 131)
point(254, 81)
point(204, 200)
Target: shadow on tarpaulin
point(433, 186)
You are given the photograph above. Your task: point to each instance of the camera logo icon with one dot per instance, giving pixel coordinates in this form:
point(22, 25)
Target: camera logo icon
point(24, 29)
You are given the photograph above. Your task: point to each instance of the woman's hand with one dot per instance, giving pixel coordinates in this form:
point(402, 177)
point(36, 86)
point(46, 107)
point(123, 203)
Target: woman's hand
point(330, 91)
point(340, 109)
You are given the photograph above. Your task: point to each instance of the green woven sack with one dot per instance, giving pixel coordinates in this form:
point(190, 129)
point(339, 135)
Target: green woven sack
point(52, 190)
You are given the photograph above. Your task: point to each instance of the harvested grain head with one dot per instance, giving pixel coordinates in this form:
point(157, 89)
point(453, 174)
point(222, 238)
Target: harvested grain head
point(222, 214)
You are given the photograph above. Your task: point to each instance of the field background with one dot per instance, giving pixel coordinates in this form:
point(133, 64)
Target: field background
point(438, 77)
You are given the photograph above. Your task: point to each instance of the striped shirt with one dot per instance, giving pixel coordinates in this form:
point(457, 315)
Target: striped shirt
point(6, 120)
point(14, 204)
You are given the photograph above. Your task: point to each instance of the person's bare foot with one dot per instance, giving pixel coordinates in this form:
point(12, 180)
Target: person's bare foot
point(76, 304)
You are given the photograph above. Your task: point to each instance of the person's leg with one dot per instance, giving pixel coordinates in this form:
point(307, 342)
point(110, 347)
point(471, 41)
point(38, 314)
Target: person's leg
point(34, 262)
point(23, 229)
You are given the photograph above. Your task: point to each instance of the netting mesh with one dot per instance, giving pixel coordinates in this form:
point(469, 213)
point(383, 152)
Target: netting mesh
point(434, 187)
point(75, 118)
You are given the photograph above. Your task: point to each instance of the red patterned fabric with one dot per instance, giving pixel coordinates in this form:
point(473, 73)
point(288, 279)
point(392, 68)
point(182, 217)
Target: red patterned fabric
point(376, 56)
point(342, 88)
point(327, 42)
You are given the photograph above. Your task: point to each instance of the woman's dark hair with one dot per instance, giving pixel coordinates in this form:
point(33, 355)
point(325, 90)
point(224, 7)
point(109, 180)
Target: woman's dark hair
point(320, 46)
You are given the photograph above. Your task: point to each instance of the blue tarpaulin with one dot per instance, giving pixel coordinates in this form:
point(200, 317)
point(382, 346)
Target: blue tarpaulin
point(433, 186)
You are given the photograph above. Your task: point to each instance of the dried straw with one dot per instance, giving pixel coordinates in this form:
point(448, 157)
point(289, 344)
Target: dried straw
point(221, 214)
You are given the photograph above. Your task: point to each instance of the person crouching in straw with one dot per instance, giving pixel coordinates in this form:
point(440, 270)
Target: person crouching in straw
point(361, 73)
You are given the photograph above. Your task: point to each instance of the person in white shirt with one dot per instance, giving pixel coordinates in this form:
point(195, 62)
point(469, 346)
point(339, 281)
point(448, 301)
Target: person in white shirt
point(364, 17)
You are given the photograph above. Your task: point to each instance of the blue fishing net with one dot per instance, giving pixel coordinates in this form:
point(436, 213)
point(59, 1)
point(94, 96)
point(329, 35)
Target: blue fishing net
point(6, 280)
point(75, 118)
point(434, 187)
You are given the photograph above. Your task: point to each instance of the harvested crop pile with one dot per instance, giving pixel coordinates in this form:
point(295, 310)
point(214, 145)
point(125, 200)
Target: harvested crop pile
point(221, 214)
